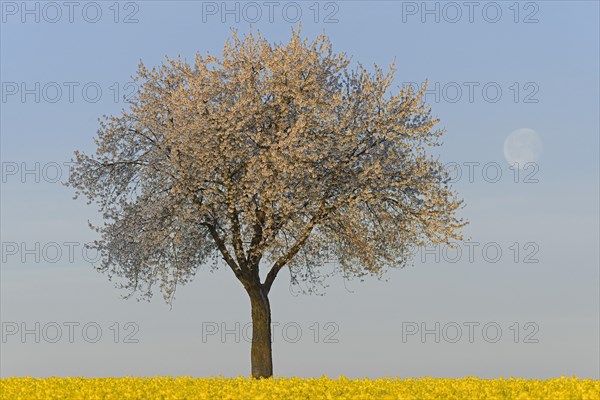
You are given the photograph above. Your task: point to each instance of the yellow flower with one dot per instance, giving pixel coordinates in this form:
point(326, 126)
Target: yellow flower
point(178, 388)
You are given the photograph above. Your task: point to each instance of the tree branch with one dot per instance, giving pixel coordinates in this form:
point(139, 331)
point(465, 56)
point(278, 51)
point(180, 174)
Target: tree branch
point(223, 249)
point(238, 247)
point(236, 236)
point(297, 246)
point(289, 255)
point(254, 255)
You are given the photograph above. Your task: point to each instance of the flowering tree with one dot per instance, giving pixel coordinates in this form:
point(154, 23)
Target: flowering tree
point(273, 155)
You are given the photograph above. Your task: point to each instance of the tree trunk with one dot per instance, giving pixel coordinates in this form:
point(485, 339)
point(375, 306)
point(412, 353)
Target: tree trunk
point(261, 355)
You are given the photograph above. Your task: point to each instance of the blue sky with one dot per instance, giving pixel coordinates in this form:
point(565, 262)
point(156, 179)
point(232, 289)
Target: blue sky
point(547, 72)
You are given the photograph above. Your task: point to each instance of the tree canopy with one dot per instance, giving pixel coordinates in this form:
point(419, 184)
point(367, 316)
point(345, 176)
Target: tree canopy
point(274, 155)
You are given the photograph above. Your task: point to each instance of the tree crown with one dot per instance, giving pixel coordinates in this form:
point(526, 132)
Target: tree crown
point(278, 154)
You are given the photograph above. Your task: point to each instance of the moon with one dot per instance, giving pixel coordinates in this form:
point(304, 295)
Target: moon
point(522, 146)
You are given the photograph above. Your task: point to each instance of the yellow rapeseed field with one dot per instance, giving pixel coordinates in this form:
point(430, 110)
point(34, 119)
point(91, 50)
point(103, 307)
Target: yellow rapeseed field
point(296, 388)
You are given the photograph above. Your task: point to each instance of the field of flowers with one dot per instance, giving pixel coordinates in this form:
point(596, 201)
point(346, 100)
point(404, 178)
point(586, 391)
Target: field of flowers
point(296, 388)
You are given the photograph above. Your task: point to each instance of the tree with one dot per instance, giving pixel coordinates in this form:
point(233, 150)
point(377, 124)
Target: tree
point(275, 156)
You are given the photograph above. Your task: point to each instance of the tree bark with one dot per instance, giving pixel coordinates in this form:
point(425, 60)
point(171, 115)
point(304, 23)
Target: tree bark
point(261, 354)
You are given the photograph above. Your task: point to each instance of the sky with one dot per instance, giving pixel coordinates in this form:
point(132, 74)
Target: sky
point(520, 297)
